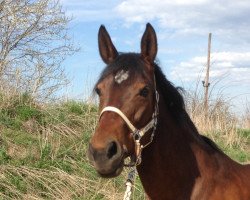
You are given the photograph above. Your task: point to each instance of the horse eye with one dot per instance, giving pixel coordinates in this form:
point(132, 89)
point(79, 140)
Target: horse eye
point(144, 92)
point(98, 91)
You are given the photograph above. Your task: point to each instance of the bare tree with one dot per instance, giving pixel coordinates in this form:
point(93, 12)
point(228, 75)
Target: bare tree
point(34, 41)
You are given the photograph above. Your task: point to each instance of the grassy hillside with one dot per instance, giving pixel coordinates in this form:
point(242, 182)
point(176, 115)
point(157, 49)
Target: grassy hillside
point(43, 153)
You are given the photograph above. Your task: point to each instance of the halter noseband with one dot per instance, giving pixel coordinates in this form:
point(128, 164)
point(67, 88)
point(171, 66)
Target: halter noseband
point(137, 133)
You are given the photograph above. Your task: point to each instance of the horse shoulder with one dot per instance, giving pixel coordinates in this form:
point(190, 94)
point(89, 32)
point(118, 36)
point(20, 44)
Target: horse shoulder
point(224, 179)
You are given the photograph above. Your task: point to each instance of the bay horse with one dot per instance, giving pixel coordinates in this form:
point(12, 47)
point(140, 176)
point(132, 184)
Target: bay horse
point(177, 163)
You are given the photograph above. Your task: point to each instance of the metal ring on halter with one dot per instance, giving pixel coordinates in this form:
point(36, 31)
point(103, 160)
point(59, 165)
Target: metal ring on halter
point(136, 135)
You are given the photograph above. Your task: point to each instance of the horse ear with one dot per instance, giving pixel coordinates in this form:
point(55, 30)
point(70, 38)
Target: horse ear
point(149, 44)
point(107, 50)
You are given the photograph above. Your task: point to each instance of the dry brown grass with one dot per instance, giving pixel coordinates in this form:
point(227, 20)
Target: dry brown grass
point(220, 122)
point(53, 184)
point(7, 94)
point(246, 116)
point(35, 183)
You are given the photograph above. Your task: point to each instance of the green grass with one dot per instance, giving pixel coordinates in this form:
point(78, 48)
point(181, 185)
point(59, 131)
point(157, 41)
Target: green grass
point(238, 152)
point(50, 161)
point(43, 153)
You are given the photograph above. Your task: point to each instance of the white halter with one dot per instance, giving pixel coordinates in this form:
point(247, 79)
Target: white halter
point(142, 131)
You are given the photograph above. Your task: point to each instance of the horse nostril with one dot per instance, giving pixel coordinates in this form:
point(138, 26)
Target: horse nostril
point(112, 150)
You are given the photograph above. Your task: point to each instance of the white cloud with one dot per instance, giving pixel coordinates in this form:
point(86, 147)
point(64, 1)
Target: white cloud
point(90, 10)
point(226, 18)
point(235, 65)
point(229, 20)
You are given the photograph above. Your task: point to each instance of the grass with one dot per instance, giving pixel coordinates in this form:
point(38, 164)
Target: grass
point(43, 153)
point(239, 152)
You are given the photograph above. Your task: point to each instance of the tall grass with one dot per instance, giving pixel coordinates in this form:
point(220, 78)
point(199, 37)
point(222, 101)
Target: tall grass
point(220, 124)
point(43, 153)
point(219, 121)
point(43, 147)
point(246, 116)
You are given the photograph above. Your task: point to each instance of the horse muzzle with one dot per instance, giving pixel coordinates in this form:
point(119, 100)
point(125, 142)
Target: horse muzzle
point(108, 161)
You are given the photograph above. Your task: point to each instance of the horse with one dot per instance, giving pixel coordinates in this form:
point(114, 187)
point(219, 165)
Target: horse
point(143, 117)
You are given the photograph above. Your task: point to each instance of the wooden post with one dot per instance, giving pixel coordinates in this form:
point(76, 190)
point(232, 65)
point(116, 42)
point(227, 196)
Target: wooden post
point(206, 81)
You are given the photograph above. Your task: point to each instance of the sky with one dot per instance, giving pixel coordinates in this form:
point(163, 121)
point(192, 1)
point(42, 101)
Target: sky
point(182, 29)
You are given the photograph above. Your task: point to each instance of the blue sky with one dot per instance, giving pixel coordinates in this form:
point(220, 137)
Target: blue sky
point(182, 28)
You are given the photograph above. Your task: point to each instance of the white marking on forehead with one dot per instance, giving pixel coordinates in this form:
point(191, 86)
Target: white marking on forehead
point(121, 76)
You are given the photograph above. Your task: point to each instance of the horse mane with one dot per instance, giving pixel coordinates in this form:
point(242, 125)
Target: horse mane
point(175, 104)
point(172, 95)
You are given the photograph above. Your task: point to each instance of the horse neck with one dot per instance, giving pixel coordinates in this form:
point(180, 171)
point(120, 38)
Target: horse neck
point(169, 161)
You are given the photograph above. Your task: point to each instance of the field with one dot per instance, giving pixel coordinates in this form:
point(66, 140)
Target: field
point(43, 152)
